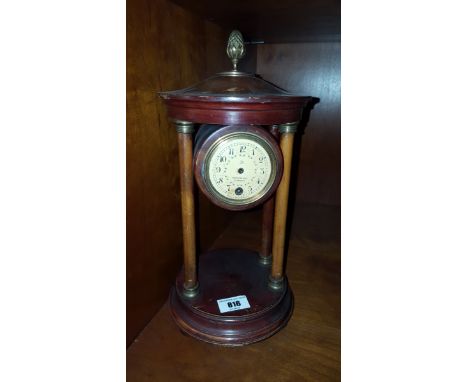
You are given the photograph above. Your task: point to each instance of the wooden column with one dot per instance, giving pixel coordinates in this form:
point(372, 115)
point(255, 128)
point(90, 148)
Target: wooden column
point(267, 219)
point(287, 131)
point(185, 131)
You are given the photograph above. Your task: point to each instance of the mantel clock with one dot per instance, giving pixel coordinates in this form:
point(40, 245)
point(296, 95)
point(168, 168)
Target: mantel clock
point(236, 134)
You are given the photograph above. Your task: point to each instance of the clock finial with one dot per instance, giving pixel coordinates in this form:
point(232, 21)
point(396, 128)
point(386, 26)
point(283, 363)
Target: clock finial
point(235, 47)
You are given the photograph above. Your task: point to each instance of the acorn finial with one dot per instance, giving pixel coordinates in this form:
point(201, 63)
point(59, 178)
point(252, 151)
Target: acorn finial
point(235, 47)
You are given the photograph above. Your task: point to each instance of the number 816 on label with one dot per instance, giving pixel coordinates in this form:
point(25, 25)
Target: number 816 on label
point(231, 304)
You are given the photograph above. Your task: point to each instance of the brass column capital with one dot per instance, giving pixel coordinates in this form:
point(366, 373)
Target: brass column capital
point(289, 127)
point(184, 127)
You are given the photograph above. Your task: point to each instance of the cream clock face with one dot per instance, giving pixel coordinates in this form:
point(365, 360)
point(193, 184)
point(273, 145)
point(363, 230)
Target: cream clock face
point(240, 169)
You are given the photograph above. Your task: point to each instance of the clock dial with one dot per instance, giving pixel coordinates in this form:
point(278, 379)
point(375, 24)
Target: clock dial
point(240, 169)
point(237, 167)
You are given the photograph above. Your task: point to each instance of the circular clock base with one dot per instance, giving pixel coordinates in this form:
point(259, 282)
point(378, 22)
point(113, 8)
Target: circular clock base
point(231, 273)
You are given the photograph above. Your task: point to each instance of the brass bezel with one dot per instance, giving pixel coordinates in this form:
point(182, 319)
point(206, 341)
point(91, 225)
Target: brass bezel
point(246, 135)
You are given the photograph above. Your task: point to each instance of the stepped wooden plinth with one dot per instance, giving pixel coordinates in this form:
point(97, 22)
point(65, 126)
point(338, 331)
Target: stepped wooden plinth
point(228, 273)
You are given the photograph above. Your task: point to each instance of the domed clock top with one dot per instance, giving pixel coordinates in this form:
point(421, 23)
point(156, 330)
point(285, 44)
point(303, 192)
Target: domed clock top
point(234, 97)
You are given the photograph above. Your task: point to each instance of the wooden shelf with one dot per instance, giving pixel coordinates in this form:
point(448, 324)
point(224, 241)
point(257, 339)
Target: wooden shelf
point(307, 349)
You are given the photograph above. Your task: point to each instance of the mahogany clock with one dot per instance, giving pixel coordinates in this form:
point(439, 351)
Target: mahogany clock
point(244, 132)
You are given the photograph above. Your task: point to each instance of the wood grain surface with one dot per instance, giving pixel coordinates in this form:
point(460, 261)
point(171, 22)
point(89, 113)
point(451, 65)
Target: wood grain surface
point(227, 273)
point(273, 21)
point(267, 218)
point(311, 68)
point(167, 48)
point(281, 208)
point(307, 349)
point(188, 209)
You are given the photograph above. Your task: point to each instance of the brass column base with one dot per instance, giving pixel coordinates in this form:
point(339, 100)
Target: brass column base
point(191, 292)
point(276, 284)
point(264, 260)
